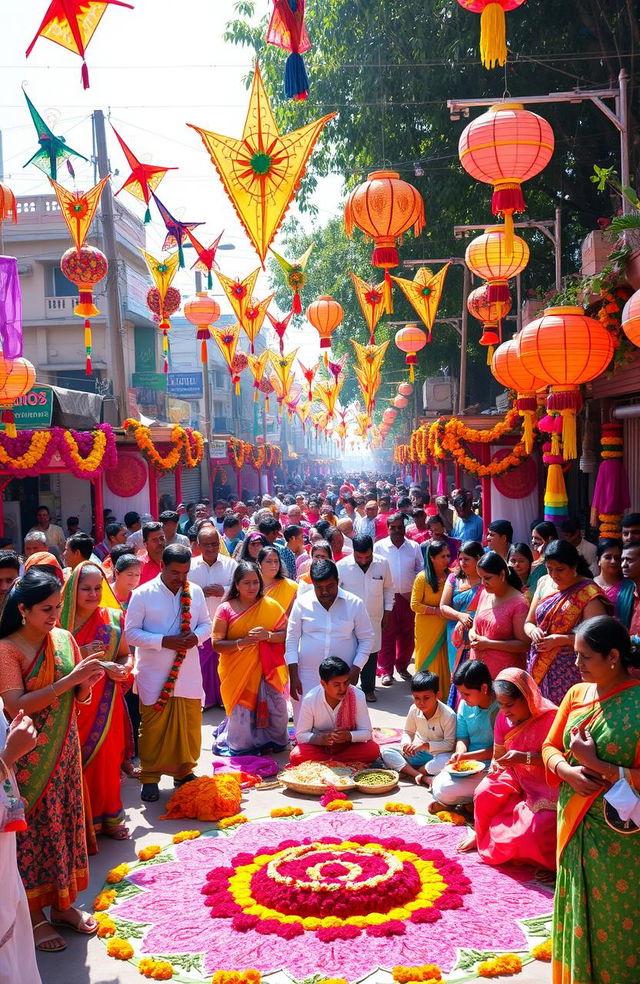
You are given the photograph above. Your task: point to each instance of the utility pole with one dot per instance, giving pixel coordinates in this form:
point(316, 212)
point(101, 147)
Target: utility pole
point(114, 331)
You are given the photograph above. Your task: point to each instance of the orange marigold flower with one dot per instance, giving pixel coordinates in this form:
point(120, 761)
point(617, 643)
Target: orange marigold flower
point(104, 899)
point(232, 821)
point(335, 806)
point(424, 973)
point(185, 835)
point(146, 853)
point(286, 811)
point(119, 949)
point(236, 977)
point(157, 970)
point(543, 951)
point(508, 963)
point(403, 808)
point(106, 925)
point(455, 818)
point(117, 874)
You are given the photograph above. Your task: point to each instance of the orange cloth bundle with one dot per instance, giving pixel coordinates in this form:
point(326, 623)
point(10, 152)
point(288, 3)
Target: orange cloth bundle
point(207, 798)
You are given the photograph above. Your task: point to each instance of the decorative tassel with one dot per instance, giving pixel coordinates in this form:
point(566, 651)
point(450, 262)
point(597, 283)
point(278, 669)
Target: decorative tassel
point(507, 197)
point(296, 304)
point(388, 293)
point(385, 255)
point(236, 388)
point(493, 36)
point(526, 407)
point(209, 281)
point(53, 164)
point(567, 401)
point(296, 80)
point(85, 308)
point(84, 75)
point(266, 404)
point(88, 347)
point(508, 234)
point(147, 215)
point(498, 290)
point(180, 252)
point(490, 335)
point(165, 349)
point(255, 395)
point(555, 495)
point(203, 352)
point(8, 420)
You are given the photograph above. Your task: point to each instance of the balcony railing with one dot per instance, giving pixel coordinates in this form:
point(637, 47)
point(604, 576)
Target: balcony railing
point(59, 307)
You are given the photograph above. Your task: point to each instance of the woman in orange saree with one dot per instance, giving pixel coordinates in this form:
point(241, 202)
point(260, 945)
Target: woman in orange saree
point(42, 673)
point(248, 632)
point(276, 585)
point(594, 741)
point(90, 611)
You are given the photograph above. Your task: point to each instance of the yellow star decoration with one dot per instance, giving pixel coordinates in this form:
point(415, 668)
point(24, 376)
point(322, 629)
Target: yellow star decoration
point(372, 302)
point(424, 293)
point(78, 208)
point(262, 171)
point(367, 372)
point(162, 271)
point(239, 292)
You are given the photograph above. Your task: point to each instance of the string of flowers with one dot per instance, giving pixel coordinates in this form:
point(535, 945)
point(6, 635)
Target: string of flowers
point(446, 437)
point(86, 454)
point(258, 456)
point(187, 446)
point(179, 658)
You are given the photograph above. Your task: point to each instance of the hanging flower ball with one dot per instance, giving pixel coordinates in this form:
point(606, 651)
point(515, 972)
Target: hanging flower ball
point(172, 301)
point(84, 267)
point(405, 389)
point(400, 402)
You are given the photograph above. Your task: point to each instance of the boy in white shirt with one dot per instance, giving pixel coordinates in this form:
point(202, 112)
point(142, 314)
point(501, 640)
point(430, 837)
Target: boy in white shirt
point(429, 733)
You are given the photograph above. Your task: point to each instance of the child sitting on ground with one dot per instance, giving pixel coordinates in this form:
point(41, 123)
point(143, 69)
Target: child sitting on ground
point(429, 732)
point(334, 723)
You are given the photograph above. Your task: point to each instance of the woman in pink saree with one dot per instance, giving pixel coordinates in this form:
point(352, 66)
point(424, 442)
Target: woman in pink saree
point(514, 806)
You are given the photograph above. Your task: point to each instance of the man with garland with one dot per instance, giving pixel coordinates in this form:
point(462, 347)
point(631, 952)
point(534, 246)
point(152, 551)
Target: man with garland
point(167, 619)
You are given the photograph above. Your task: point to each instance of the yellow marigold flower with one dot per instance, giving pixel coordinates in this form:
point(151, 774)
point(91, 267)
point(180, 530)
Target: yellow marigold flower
point(157, 970)
point(185, 835)
point(455, 818)
point(543, 951)
point(336, 805)
point(508, 963)
point(334, 980)
point(232, 821)
point(117, 874)
point(425, 973)
point(119, 949)
point(286, 811)
point(236, 977)
point(146, 853)
point(404, 808)
point(104, 899)
point(106, 925)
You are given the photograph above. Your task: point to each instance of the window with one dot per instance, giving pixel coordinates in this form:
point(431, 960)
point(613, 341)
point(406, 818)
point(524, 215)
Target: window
point(61, 286)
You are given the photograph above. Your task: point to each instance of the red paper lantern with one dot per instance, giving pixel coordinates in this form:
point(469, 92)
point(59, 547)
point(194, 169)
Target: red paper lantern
point(85, 267)
point(493, 32)
point(490, 259)
point(631, 318)
point(202, 311)
point(489, 313)
point(389, 416)
point(410, 340)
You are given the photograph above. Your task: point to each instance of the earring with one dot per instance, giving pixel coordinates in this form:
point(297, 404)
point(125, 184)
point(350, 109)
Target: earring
point(24, 621)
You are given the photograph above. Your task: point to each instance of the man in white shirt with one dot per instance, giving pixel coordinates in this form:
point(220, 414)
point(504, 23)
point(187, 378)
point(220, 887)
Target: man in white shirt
point(334, 723)
point(368, 577)
point(170, 705)
point(169, 519)
point(54, 535)
point(213, 572)
point(325, 621)
point(366, 525)
point(405, 560)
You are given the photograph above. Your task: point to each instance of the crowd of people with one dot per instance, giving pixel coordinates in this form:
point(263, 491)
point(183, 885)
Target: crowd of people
point(307, 606)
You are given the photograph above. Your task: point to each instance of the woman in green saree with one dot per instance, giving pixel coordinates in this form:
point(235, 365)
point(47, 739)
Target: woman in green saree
point(42, 673)
point(594, 740)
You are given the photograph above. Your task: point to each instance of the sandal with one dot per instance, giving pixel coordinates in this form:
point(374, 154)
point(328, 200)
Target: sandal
point(120, 833)
point(83, 923)
point(180, 782)
point(149, 792)
point(48, 938)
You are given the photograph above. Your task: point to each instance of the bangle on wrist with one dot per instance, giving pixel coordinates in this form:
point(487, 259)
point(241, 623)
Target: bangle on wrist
point(528, 758)
point(85, 700)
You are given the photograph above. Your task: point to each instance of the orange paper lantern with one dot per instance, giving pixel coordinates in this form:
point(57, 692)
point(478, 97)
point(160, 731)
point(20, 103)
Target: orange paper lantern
point(508, 369)
point(631, 318)
point(400, 402)
point(325, 314)
point(493, 33)
point(410, 340)
point(17, 377)
point(389, 416)
point(490, 313)
point(490, 259)
point(202, 311)
point(565, 348)
point(504, 147)
point(405, 389)
point(8, 205)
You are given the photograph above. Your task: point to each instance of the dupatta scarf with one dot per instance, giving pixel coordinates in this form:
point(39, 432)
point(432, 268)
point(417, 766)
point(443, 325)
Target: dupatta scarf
point(559, 613)
point(241, 672)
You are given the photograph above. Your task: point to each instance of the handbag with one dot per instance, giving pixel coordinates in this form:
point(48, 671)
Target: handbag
point(621, 806)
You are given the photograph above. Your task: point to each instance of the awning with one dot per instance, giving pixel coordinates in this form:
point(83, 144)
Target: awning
point(73, 408)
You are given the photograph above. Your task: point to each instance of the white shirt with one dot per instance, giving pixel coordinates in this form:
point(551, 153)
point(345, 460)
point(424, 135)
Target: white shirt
point(405, 562)
point(364, 526)
point(154, 612)
point(373, 586)
point(206, 575)
point(177, 538)
point(313, 633)
point(439, 731)
point(589, 551)
point(316, 715)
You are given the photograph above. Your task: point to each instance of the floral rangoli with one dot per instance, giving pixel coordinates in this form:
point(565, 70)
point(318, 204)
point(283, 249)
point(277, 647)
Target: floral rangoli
point(344, 894)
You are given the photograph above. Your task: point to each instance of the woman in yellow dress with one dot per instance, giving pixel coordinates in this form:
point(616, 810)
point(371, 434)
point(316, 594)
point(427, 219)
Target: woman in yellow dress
point(276, 585)
point(430, 647)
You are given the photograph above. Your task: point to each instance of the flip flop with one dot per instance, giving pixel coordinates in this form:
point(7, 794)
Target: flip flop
point(149, 792)
point(50, 938)
point(180, 782)
point(81, 924)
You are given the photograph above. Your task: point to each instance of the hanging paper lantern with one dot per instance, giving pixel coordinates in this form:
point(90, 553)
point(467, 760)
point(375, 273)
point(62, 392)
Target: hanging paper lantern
point(490, 314)
point(400, 402)
point(8, 205)
point(410, 340)
point(504, 147)
point(508, 369)
point(631, 318)
point(405, 389)
point(488, 257)
point(202, 311)
point(565, 348)
point(493, 32)
point(17, 377)
point(85, 267)
point(325, 315)
point(238, 364)
point(384, 207)
point(162, 311)
point(389, 416)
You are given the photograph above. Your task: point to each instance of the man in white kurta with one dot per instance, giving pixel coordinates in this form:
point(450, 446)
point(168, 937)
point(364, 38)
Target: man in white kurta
point(406, 562)
point(214, 573)
point(170, 737)
point(326, 621)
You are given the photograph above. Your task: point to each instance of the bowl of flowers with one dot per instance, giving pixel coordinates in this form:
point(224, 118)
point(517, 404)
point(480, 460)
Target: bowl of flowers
point(464, 767)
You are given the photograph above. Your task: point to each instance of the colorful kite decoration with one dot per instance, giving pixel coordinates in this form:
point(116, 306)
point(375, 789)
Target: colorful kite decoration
point(162, 272)
point(309, 376)
point(335, 368)
point(328, 394)
point(71, 24)
point(295, 276)
point(206, 256)
point(262, 171)
point(367, 372)
point(144, 178)
point(257, 367)
point(280, 327)
point(227, 341)
point(53, 150)
point(239, 292)
point(319, 421)
point(253, 319)
point(176, 230)
point(303, 410)
point(282, 378)
point(83, 265)
point(363, 423)
point(287, 30)
point(424, 293)
point(292, 400)
point(372, 303)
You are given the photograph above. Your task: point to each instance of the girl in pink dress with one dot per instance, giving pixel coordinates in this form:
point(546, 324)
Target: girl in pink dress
point(498, 637)
point(514, 806)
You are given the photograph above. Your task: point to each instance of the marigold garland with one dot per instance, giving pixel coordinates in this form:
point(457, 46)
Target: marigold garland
point(234, 821)
point(119, 949)
point(335, 806)
point(86, 454)
point(543, 951)
point(185, 624)
point(508, 963)
point(187, 446)
point(146, 853)
point(240, 453)
point(286, 811)
point(425, 972)
point(404, 808)
point(156, 970)
point(445, 438)
point(116, 875)
point(185, 835)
